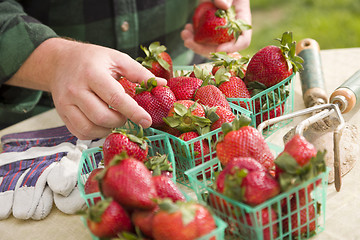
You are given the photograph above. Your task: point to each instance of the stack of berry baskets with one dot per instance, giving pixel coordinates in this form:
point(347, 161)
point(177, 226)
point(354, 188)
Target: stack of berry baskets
point(91, 159)
point(271, 219)
point(272, 102)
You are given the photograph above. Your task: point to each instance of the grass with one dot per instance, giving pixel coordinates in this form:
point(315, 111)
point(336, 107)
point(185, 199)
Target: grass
point(332, 23)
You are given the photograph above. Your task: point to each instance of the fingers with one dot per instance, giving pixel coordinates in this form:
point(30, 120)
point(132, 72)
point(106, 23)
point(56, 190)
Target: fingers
point(223, 4)
point(133, 70)
point(79, 125)
point(188, 36)
point(112, 93)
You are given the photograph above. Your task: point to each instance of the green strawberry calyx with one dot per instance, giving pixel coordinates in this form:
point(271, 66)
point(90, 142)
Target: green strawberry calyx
point(187, 209)
point(293, 174)
point(148, 86)
point(239, 122)
point(139, 138)
point(232, 184)
point(183, 119)
point(234, 26)
point(95, 212)
point(153, 55)
point(230, 63)
point(158, 163)
point(287, 46)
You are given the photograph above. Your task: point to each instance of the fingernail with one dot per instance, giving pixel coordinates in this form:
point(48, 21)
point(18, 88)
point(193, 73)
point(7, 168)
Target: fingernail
point(145, 123)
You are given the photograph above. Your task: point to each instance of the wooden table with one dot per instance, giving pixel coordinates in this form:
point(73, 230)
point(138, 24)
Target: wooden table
point(342, 217)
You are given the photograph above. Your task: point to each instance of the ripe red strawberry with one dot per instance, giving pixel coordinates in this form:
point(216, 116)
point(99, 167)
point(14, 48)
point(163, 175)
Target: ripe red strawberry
point(129, 182)
point(166, 188)
point(298, 162)
point(272, 64)
point(267, 215)
point(156, 100)
point(241, 140)
point(92, 185)
point(128, 86)
point(107, 218)
point(143, 220)
point(184, 87)
point(232, 87)
point(223, 116)
point(119, 141)
point(182, 221)
point(157, 60)
point(300, 209)
point(246, 180)
point(200, 148)
point(187, 115)
point(211, 96)
point(216, 26)
point(269, 114)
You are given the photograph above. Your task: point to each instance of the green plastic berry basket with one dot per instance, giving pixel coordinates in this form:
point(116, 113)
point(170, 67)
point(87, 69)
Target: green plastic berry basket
point(91, 159)
point(244, 221)
point(185, 156)
point(275, 101)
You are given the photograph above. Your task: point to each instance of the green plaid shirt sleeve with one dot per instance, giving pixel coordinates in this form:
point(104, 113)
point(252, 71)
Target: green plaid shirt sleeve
point(20, 34)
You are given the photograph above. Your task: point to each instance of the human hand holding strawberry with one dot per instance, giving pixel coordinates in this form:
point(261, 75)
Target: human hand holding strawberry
point(242, 11)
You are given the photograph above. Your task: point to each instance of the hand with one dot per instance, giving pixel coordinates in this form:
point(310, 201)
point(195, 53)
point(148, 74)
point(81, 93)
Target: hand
point(242, 8)
point(82, 79)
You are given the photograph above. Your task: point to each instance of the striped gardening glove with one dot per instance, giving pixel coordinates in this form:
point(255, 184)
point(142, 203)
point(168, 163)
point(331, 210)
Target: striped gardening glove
point(28, 160)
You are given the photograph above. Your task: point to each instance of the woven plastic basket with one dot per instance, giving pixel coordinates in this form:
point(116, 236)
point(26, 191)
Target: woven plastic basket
point(244, 221)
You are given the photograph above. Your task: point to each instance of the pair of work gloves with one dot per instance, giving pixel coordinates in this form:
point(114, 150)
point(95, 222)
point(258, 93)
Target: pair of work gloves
point(38, 169)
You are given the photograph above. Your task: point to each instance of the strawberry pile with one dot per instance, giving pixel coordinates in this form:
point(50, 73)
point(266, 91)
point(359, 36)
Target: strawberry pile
point(252, 176)
point(138, 196)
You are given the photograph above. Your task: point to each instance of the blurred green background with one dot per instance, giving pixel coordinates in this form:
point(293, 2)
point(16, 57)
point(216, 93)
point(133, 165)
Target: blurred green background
point(333, 23)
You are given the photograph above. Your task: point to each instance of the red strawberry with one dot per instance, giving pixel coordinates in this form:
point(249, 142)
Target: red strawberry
point(187, 115)
point(119, 141)
point(272, 64)
point(92, 185)
point(223, 116)
point(241, 140)
point(267, 215)
point(156, 100)
point(184, 87)
point(300, 209)
point(232, 87)
point(199, 148)
point(107, 218)
point(182, 221)
point(245, 179)
point(215, 26)
point(129, 182)
point(157, 60)
point(211, 96)
point(298, 162)
point(166, 188)
point(269, 114)
point(143, 220)
point(128, 86)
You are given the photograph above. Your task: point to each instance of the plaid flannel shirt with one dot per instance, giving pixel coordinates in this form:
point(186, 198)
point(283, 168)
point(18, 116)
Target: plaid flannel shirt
point(120, 24)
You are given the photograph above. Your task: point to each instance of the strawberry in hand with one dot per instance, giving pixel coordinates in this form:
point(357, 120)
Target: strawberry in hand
point(214, 26)
point(157, 60)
